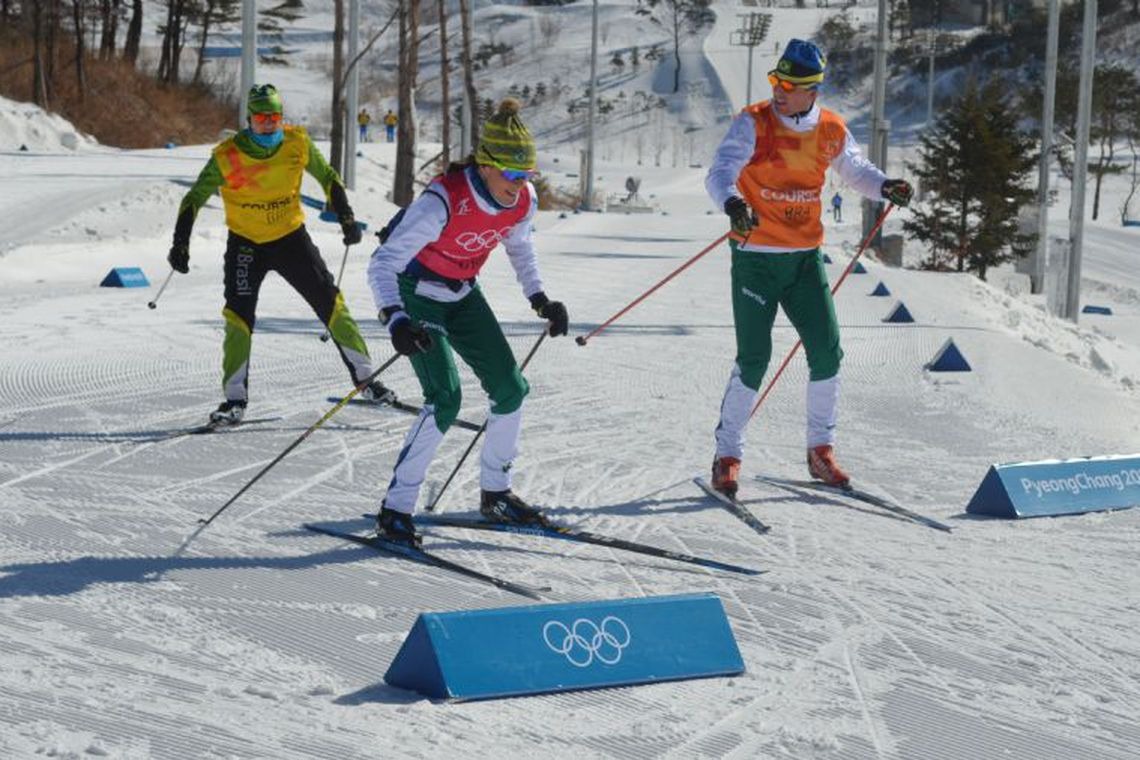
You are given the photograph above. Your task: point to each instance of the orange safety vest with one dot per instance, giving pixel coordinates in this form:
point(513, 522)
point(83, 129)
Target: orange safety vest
point(783, 180)
point(262, 196)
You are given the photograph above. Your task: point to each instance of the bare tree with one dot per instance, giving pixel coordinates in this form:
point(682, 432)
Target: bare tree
point(39, 74)
point(445, 99)
point(403, 190)
point(680, 18)
point(80, 75)
point(134, 32)
point(109, 14)
point(336, 135)
point(173, 40)
point(468, 70)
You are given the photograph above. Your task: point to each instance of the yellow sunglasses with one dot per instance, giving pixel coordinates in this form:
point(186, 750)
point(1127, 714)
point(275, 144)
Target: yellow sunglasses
point(787, 86)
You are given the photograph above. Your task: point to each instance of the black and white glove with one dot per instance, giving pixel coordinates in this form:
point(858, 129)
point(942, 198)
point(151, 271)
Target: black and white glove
point(179, 256)
point(407, 337)
point(554, 311)
point(740, 215)
point(897, 191)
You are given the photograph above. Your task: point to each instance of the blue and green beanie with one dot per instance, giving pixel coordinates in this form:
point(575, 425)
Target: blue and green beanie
point(802, 63)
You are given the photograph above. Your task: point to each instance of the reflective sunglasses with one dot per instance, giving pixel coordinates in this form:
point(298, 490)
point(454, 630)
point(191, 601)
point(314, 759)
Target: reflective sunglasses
point(787, 86)
point(265, 118)
point(514, 175)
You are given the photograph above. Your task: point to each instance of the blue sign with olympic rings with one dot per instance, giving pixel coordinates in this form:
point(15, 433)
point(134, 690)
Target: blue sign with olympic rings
point(512, 651)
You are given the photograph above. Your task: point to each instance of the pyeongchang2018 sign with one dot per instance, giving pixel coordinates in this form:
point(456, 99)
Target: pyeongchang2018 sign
point(1058, 487)
point(511, 651)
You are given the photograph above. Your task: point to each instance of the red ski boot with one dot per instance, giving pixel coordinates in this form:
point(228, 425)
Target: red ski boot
point(725, 473)
point(822, 466)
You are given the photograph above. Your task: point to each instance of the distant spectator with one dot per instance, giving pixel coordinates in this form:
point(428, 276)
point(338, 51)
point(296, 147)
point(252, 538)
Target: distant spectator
point(390, 121)
point(363, 119)
point(837, 207)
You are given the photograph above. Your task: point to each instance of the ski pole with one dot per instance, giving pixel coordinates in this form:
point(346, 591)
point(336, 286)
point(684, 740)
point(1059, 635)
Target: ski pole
point(154, 304)
point(462, 459)
point(325, 335)
point(862, 246)
point(340, 405)
point(581, 339)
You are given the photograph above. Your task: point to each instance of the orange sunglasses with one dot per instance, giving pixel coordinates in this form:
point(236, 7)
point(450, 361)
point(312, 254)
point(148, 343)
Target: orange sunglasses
point(265, 118)
point(787, 86)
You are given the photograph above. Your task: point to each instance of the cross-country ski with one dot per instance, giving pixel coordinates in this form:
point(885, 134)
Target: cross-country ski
point(429, 558)
point(850, 492)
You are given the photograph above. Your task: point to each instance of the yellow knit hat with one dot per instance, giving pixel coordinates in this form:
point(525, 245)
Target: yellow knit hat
point(506, 142)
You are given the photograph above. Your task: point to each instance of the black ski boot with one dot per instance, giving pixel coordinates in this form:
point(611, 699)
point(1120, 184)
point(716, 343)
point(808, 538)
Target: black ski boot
point(505, 507)
point(397, 527)
point(228, 413)
point(378, 393)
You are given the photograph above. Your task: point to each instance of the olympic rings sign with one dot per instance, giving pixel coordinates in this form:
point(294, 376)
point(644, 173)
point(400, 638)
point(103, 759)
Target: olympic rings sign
point(584, 640)
point(475, 242)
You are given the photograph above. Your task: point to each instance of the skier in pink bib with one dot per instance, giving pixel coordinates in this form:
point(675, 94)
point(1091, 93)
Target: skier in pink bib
point(423, 278)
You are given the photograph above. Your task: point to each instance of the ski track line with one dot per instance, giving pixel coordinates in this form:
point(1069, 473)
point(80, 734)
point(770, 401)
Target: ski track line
point(52, 468)
point(859, 695)
point(1131, 692)
point(323, 476)
point(1016, 629)
point(721, 584)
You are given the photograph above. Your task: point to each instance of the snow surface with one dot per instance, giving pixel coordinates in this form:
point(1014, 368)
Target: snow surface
point(869, 637)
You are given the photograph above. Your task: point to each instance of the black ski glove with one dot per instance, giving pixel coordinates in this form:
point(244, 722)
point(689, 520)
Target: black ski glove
point(741, 216)
point(338, 199)
point(179, 256)
point(407, 338)
point(350, 228)
point(555, 311)
point(897, 191)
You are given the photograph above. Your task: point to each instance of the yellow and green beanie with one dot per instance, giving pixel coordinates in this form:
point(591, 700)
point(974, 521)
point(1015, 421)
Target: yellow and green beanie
point(506, 142)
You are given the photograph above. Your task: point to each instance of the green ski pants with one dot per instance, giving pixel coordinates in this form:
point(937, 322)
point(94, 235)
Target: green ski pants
point(797, 282)
point(469, 328)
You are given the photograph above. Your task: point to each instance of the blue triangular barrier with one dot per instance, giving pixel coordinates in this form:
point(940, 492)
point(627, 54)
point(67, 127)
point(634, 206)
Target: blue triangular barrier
point(1090, 309)
point(125, 277)
point(899, 314)
point(880, 290)
point(859, 268)
point(949, 359)
point(535, 649)
point(826, 259)
point(1055, 487)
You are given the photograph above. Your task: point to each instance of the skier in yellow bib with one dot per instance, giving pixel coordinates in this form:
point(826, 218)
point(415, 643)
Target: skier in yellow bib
point(258, 172)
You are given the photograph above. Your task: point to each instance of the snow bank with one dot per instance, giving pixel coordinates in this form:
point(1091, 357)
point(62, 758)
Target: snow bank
point(27, 126)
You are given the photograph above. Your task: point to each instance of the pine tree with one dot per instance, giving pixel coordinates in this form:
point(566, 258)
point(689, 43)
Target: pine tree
point(976, 169)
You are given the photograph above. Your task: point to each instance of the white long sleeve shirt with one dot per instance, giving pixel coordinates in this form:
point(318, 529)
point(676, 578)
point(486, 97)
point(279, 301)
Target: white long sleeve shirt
point(737, 147)
point(423, 223)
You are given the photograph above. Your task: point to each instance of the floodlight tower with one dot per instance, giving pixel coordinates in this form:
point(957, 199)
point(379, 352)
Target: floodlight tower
point(753, 29)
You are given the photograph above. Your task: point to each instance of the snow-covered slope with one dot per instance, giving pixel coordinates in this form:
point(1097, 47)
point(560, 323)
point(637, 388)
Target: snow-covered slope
point(869, 637)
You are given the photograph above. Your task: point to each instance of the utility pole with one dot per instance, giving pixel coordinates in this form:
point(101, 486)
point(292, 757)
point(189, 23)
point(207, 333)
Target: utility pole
point(1081, 161)
point(352, 95)
point(879, 125)
point(248, 54)
point(1037, 278)
point(588, 195)
point(753, 29)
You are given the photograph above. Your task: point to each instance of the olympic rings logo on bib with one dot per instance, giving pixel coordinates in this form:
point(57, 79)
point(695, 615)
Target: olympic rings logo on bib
point(477, 242)
point(584, 641)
